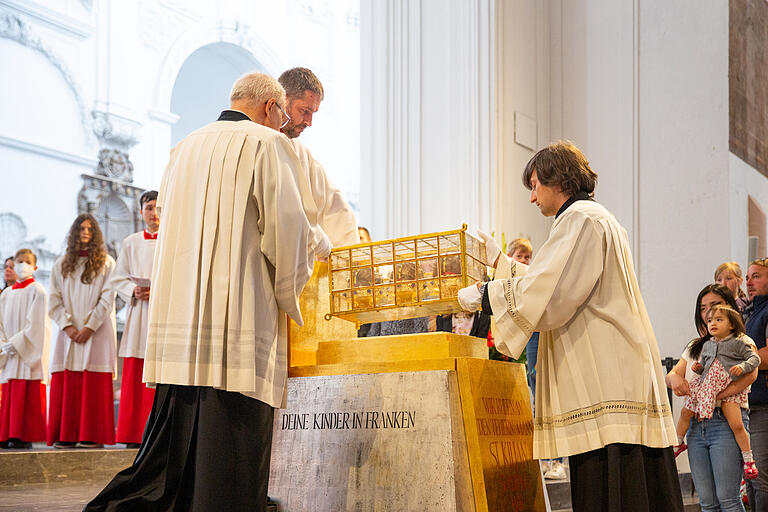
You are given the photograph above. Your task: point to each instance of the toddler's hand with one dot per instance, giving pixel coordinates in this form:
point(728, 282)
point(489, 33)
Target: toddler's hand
point(697, 367)
point(736, 371)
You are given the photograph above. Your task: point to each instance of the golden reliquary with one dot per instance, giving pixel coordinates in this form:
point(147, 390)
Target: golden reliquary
point(406, 277)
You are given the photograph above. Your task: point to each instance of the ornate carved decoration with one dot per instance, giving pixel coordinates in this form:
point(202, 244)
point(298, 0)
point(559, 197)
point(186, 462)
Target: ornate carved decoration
point(114, 131)
point(114, 163)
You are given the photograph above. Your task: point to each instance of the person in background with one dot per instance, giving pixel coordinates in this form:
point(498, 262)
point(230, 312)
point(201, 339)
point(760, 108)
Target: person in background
point(756, 322)
point(24, 335)
point(365, 235)
point(81, 302)
point(9, 275)
point(135, 261)
point(729, 275)
point(521, 250)
point(713, 453)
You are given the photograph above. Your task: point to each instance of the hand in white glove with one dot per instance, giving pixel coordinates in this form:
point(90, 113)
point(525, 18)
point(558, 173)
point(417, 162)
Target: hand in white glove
point(470, 298)
point(324, 246)
point(8, 349)
point(492, 249)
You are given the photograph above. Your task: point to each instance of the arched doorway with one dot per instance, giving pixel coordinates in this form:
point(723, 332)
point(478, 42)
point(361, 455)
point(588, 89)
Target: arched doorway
point(201, 89)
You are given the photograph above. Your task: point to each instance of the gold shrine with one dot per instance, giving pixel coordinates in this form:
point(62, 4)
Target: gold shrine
point(405, 277)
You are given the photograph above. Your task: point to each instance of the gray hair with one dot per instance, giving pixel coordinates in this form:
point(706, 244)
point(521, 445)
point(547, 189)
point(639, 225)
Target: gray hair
point(297, 80)
point(257, 88)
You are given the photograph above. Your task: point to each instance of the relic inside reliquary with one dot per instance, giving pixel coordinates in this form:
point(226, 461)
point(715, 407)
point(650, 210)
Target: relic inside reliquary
point(405, 277)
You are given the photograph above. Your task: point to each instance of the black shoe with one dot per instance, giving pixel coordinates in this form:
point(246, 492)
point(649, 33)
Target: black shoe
point(18, 444)
point(88, 444)
point(133, 446)
point(63, 444)
point(5, 445)
point(272, 506)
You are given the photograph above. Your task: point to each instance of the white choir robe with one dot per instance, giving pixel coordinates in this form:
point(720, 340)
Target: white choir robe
point(333, 212)
point(599, 378)
point(135, 260)
point(234, 254)
point(24, 323)
point(81, 305)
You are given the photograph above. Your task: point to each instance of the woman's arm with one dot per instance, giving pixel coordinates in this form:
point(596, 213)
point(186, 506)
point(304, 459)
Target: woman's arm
point(676, 379)
point(738, 385)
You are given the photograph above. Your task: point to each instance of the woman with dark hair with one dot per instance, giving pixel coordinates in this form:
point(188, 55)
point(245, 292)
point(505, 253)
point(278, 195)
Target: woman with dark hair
point(82, 304)
point(713, 453)
point(9, 274)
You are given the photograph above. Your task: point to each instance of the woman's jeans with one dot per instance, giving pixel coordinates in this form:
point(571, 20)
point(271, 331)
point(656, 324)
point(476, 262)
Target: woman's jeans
point(716, 465)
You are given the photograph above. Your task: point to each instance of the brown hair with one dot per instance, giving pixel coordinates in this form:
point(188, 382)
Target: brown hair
point(97, 253)
point(297, 80)
point(519, 243)
point(25, 250)
point(561, 164)
point(733, 268)
point(733, 316)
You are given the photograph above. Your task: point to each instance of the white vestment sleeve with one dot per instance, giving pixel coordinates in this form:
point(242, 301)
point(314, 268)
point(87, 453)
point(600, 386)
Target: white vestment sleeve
point(106, 299)
point(556, 284)
point(335, 215)
point(56, 309)
point(120, 280)
point(287, 239)
point(30, 341)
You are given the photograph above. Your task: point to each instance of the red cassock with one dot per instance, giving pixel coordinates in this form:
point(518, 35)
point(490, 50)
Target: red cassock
point(22, 410)
point(81, 407)
point(135, 402)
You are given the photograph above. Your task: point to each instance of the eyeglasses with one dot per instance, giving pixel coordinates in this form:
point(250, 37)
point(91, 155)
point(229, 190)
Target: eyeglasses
point(286, 117)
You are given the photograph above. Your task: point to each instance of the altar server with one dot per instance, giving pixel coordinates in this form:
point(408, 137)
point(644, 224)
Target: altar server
point(304, 92)
point(24, 335)
point(235, 251)
point(600, 393)
point(83, 364)
point(135, 262)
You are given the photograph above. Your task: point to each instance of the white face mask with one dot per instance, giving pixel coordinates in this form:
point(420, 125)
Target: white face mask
point(24, 270)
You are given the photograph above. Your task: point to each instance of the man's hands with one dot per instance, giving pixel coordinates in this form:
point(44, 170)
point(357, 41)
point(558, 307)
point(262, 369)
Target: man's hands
point(470, 298)
point(141, 292)
point(324, 245)
point(80, 336)
point(492, 249)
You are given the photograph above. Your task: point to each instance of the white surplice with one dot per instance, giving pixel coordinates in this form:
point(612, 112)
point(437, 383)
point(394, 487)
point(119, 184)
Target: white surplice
point(599, 378)
point(91, 305)
point(333, 212)
point(135, 260)
point(24, 323)
point(235, 251)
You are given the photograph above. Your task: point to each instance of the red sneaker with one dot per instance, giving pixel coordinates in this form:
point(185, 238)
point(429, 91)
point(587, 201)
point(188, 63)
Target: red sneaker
point(750, 471)
point(680, 448)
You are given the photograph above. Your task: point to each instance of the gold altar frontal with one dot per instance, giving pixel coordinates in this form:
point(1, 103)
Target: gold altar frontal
point(495, 404)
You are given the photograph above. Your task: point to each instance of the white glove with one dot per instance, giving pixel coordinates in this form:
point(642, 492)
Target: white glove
point(323, 246)
point(492, 249)
point(470, 298)
point(8, 349)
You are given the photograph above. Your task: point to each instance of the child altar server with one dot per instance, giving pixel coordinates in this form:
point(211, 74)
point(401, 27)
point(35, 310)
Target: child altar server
point(81, 413)
point(133, 266)
point(24, 336)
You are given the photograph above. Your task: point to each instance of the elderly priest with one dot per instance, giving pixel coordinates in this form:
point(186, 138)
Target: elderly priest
point(234, 255)
point(600, 395)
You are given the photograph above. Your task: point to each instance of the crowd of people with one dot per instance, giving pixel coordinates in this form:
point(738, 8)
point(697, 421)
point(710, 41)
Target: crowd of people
point(723, 422)
point(82, 357)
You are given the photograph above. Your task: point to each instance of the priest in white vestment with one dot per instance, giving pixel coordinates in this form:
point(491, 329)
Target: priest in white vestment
point(24, 336)
point(234, 254)
point(304, 92)
point(600, 394)
point(131, 280)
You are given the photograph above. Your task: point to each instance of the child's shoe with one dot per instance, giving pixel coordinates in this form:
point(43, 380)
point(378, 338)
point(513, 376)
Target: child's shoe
point(750, 471)
point(680, 448)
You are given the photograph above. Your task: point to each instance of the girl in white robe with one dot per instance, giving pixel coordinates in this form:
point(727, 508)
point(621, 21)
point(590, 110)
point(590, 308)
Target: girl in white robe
point(24, 336)
point(83, 364)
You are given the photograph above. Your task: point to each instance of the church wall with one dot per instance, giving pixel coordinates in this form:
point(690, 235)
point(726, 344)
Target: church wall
point(745, 182)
